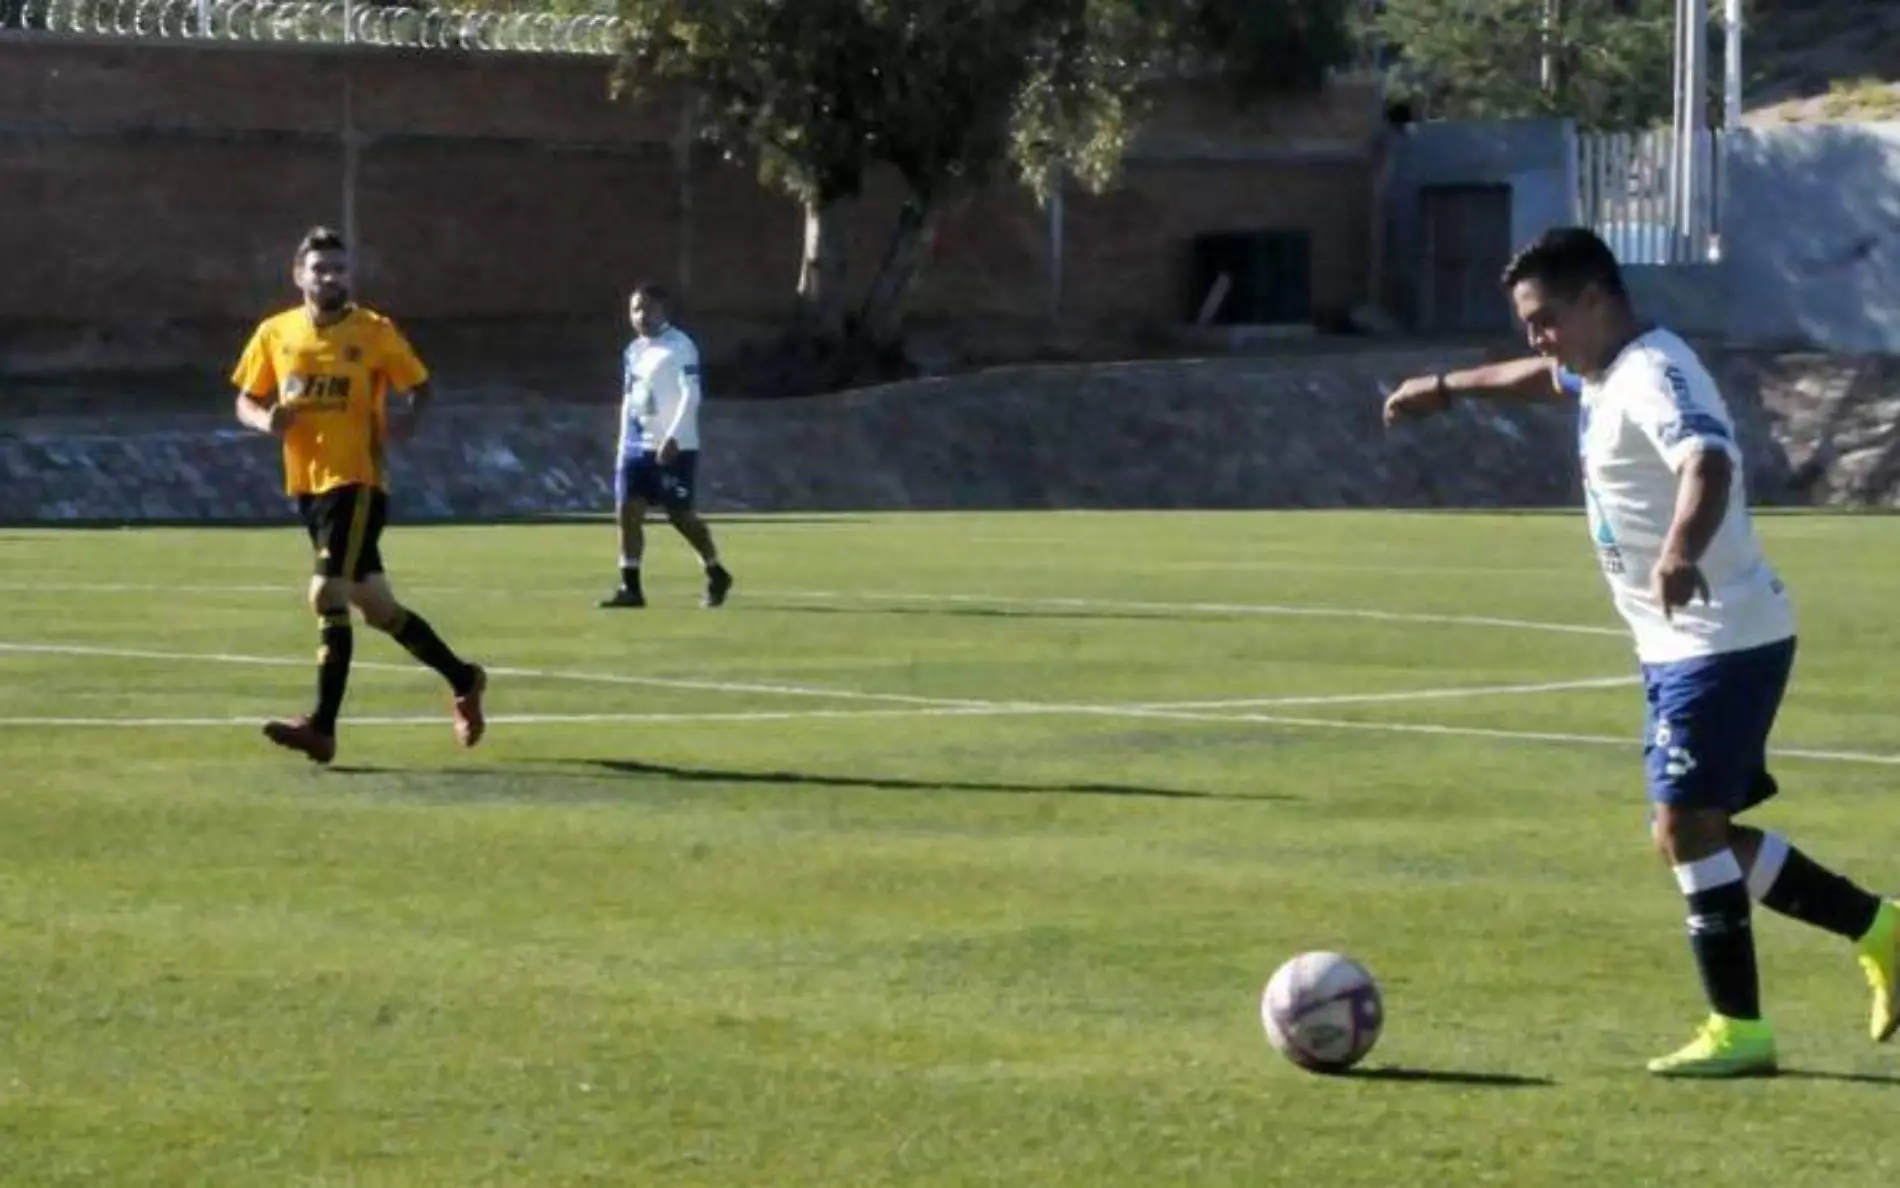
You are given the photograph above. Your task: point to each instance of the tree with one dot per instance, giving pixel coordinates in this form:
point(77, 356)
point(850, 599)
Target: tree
point(778, 83)
point(1267, 49)
point(1610, 60)
point(949, 94)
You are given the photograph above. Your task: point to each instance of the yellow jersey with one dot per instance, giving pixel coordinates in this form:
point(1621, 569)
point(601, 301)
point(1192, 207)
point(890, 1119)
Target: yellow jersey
point(338, 377)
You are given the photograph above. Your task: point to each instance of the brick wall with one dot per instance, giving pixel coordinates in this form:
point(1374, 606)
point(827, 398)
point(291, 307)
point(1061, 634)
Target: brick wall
point(160, 186)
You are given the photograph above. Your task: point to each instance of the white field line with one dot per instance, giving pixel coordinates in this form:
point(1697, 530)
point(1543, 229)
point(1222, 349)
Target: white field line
point(1208, 709)
point(848, 695)
point(603, 678)
point(437, 720)
point(1597, 740)
point(287, 588)
point(873, 598)
point(1266, 566)
point(921, 707)
point(999, 710)
point(1444, 694)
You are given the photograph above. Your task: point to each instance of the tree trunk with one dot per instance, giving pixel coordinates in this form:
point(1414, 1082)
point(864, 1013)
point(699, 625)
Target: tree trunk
point(685, 206)
point(821, 273)
point(883, 317)
point(1550, 63)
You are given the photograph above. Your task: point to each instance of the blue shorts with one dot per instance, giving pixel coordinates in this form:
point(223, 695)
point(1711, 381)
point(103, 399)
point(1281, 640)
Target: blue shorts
point(641, 476)
point(1706, 732)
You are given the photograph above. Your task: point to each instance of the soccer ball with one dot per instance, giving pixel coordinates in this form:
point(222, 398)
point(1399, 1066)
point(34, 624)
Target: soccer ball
point(1323, 1011)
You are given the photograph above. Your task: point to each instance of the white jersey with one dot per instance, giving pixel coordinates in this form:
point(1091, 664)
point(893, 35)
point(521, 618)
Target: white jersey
point(1652, 409)
point(659, 393)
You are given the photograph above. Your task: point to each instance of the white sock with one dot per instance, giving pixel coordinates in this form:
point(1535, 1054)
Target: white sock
point(1706, 874)
point(1768, 863)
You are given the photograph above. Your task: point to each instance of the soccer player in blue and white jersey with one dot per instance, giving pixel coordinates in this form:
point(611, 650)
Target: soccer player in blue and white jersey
point(1713, 628)
point(658, 457)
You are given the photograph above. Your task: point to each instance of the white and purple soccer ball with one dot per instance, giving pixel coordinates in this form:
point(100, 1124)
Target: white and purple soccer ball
point(1322, 1011)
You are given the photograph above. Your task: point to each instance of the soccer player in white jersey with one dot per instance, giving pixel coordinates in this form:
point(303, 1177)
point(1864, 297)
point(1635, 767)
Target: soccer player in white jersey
point(1713, 629)
point(658, 458)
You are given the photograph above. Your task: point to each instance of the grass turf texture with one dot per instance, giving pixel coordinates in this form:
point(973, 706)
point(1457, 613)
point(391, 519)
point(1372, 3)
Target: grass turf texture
point(983, 923)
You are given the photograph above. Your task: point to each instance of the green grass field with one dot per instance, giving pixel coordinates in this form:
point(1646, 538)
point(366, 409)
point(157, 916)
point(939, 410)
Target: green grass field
point(956, 850)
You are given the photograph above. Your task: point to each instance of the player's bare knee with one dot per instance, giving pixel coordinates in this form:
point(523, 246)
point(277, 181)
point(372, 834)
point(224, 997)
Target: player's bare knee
point(329, 597)
point(380, 608)
point(1688, 834)
point(1745, 840)
point(387, 617)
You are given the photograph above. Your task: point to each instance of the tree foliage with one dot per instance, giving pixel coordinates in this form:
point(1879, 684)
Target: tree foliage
point(1611, 60)
point(950, 95)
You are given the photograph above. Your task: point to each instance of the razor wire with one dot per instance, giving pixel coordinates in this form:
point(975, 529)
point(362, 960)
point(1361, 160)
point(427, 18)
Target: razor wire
point(327, 22)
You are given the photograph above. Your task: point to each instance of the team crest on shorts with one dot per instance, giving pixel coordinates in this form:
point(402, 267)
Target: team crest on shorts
point(1677, 759)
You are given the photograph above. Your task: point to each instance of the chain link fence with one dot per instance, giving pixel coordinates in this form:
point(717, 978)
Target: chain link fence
point(319, 22)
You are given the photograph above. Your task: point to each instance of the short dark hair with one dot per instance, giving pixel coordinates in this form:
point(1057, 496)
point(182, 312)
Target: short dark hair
point(650, 291)
point(319, 239)
point(1565, 260)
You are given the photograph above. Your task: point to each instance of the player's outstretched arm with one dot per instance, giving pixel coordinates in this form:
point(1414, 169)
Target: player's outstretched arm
point(1533, 378)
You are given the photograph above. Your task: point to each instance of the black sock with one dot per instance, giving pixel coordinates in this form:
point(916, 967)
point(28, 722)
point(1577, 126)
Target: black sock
point(629, 577)
point(333, 670)
point(1724, 946)
point(1809, 892)
point(424, 644)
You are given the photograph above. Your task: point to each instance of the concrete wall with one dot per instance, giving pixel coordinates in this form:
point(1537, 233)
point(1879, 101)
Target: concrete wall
point(1811, 236)
point(1689, 298)
point(1810, 231)
point(1533, 157)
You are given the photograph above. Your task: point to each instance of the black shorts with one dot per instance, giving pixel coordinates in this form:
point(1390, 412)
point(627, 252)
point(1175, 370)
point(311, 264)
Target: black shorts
point(346, 529)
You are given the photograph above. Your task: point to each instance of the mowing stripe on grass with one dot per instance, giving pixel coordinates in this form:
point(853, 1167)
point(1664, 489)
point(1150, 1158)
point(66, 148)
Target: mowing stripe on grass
point(1141, 606)
point(762, 599)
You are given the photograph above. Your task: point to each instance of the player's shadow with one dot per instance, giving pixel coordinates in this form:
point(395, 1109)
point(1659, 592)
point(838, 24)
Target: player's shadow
point(1444, 1076)
point(1815, 1074)
point(586, 781)
point(712, 775)
point(515, 783)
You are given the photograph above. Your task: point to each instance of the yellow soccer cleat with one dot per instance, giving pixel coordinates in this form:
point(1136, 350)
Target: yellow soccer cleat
point(1880, 961)
point(1723, 1048)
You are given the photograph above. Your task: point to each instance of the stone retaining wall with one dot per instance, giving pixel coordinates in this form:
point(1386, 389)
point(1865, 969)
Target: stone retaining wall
point(1230, 433)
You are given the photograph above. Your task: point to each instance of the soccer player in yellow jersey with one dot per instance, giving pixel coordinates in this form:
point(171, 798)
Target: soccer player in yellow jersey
point(335, 381)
